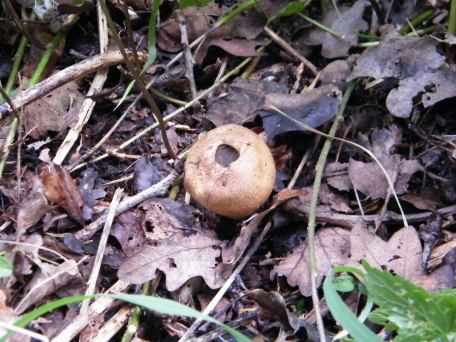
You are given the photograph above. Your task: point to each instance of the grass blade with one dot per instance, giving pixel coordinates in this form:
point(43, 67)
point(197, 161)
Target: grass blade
point(343, 314)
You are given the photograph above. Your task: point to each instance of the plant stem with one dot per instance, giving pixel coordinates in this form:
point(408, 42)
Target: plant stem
point(17, 63)
point(45, 58)
point(416, 21)
point(452, 20)
point(319, 169)
point(133, 69)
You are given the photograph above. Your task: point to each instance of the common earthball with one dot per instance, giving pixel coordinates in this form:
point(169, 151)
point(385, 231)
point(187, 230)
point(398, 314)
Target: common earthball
point(230, 171)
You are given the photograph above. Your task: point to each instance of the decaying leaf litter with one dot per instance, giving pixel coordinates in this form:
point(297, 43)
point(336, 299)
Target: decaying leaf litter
point(74, 129)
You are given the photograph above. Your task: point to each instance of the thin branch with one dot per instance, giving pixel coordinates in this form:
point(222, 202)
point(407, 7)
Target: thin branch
point(287, 47)
point(136, 72)
point(88, 104)
point(146, 130)
point(73, 72)
point(91, 284)
point(158, 189)
point(187, 53)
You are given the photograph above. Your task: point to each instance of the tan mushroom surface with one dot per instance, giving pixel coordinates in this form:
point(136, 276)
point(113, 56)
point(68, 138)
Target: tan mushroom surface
point(230, 171)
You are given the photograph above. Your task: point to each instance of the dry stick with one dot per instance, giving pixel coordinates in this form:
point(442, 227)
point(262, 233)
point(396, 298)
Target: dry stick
point(158, 189)
point(133, 104)
point(62, 77)
point(172, 115)
point(113, 326)
point(287, 47)
point(221, 292)
point(88, 104)
point(16, 243)
point(319, 170)
point(187, 53)
point(136, 72)
point(96, 308)
point(91, 284)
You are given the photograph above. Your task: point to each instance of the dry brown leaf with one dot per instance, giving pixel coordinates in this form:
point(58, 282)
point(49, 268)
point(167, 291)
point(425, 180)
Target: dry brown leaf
point(335, 246)
point(128, 232)
point(61, 190)
point(33, 207)
point(45, 282)
point(368, 178)
point(235, 47)
point(332, 247)
point(176, 246)
point(346, 21)
point(180, 258)
point(54, 112)
point(402, 254)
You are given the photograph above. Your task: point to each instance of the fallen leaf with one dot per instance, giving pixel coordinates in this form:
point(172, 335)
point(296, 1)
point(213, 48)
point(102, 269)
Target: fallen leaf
point(398, 57)
point(180, 258)
point(332, 247)
point(418, 66)
point(54, 112)
point(432, 87)
point(149, 171)
point(402, 254)
point(129, 233)
point(335, 246)
point(368, 178)
point(61, 189)
point(235, 47)
point(90, 192)
point(238, 102)
point(348, 23)
point(47, 281)
point(336, 73)
point(336, 175)
point(312, 107)
point(175, 245)
point(33, 207)
point(164, 218)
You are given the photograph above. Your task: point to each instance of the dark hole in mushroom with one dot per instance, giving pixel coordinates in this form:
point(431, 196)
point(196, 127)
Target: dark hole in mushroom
point(226, 154)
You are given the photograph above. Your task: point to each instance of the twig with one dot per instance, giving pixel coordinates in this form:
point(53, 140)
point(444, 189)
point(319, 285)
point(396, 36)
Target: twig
point(91, 284)
point(17, 243)
point(170, 116)
point(88, 104)
point(136, 72)
point(321, 26)
point(187, 53)
point(73, 72)
point(221, 292)
point(7, 144)
point(158, 189)
point(113, 326)
point(298, 171)
point(287, 47)
point(319, 170)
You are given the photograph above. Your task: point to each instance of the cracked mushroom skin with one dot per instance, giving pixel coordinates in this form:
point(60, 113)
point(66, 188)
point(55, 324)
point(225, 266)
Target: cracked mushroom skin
point(230, 171)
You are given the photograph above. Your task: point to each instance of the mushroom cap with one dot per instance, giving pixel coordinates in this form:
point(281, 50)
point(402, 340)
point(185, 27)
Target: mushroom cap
point(230, 171)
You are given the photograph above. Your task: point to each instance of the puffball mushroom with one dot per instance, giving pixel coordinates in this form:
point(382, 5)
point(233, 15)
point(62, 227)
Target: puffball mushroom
point(230, 171)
